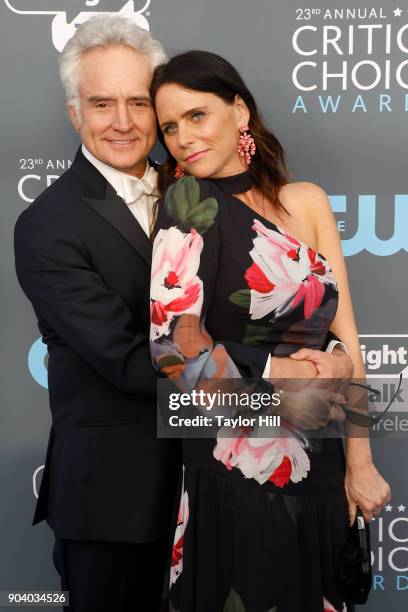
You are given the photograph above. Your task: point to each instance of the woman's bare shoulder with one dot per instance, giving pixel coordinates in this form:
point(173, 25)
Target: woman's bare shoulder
point(306, 201)
point(309, 195)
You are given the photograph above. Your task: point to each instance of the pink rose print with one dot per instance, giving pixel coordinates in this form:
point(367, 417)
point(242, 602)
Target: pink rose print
point(175, 287)
point(176, 566)
point(328, 607)
point(285, 273)
point(279, 460)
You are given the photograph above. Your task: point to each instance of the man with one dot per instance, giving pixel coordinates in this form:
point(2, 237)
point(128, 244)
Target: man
point(83, 259)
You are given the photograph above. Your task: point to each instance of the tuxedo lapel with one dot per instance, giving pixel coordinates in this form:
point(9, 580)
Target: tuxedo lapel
point(116, 212)
point(100, 195)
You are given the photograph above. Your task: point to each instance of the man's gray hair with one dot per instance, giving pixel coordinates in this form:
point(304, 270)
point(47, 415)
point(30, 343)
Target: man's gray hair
point(103, 31)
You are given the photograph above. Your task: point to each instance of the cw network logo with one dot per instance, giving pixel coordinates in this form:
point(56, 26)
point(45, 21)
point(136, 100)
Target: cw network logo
point(365, 237)
point(68, 14)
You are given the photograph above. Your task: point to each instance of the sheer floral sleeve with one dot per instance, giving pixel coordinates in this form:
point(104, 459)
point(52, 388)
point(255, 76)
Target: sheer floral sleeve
point(184, 268)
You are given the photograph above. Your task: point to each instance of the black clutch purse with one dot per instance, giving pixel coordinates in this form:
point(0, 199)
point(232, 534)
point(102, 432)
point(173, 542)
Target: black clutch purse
point(355, 562)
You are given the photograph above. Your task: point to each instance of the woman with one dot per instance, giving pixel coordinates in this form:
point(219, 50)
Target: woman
point(241, 255)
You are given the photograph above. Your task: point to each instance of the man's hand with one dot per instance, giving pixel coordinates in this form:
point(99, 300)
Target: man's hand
point(285, 367)
point(328, 365)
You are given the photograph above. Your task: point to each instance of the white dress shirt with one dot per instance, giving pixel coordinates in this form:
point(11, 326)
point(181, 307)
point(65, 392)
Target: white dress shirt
point(139, 193)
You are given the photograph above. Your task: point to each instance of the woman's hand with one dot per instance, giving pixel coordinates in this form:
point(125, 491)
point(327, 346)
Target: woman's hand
point(309, 400)
point(366, 488)
point(311, 407)
point(190, 336)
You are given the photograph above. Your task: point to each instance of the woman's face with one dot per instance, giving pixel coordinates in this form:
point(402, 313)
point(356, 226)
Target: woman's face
point(201, 130)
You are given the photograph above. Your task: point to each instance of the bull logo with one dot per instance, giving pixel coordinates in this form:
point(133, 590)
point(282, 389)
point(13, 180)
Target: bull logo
point(67, 19)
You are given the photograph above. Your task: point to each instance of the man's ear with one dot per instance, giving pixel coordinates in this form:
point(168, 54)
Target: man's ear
point(73, 115)
point(243, 114)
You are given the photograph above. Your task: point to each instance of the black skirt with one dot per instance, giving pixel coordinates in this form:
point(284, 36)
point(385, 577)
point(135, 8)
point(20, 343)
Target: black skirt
point(242, 546)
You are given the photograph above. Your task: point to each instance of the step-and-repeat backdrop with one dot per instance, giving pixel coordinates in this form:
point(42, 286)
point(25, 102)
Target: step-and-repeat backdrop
point(331, 79)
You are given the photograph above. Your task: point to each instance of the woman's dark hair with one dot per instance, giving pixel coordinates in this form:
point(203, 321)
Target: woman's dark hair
point(208, 72)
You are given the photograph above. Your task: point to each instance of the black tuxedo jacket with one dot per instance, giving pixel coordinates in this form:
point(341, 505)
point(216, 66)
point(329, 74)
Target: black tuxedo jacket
point(83, 261)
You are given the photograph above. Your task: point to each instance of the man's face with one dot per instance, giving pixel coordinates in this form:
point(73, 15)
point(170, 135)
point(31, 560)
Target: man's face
point(117, 122)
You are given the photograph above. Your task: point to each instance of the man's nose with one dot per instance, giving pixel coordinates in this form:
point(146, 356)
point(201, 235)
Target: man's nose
point(122, 121)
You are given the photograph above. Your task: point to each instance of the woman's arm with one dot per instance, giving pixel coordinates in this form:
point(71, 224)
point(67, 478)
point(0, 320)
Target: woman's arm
point(365, 486)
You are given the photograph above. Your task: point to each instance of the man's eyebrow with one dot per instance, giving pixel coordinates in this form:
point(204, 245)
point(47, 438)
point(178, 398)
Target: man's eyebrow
point(93, 99)
point(141, 98)
point(98, 98)
point(190, 111)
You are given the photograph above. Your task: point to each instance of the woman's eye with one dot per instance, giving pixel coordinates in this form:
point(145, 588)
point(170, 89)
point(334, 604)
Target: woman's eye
point(197, 115)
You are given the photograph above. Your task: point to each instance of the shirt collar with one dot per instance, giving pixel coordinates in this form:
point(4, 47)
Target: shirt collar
point(128, 187)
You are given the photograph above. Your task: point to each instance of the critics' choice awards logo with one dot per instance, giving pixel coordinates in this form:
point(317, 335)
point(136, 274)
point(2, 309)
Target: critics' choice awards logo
point(350, 58)
point(39, 173)
point(389, 544)
point(69, 14)
point(37, 475)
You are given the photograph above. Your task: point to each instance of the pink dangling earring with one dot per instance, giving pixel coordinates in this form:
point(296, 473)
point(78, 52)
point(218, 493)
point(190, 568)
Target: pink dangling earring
point(246, 144)
point(179, 171)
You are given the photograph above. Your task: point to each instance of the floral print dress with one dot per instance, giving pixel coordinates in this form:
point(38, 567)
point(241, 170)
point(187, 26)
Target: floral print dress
point(261, 521)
